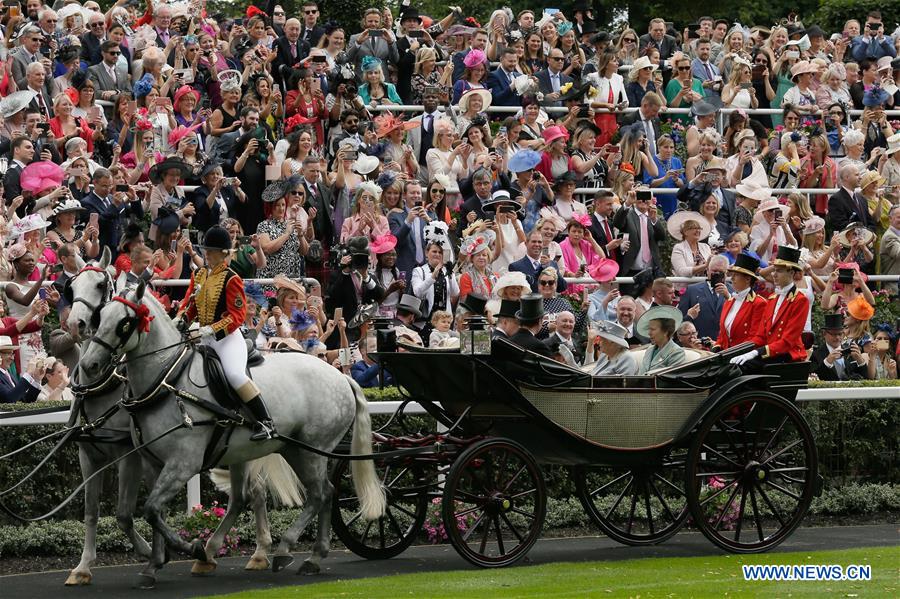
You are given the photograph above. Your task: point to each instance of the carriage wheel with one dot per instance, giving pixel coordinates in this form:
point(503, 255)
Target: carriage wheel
point(751, 472)
point(635, 506)
point(390, 535)
point(494, 503)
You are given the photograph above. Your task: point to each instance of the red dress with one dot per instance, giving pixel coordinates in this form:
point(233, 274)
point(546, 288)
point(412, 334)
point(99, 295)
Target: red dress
point(8, 329)
point(313, 110)
point(86, 133)
point(606, 122)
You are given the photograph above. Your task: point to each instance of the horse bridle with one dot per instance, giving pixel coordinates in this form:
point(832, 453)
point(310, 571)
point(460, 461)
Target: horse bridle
point(126, 327)
point(94, 308)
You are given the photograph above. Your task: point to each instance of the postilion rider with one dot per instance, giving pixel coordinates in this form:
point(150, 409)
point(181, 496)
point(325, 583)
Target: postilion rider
point(778, 338)
point(215, 298)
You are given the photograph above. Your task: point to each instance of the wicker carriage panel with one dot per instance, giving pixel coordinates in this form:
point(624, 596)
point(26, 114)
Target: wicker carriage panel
point(617, 419)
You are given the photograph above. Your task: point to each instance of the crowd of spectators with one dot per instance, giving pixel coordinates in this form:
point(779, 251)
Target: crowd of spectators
point(132, 131)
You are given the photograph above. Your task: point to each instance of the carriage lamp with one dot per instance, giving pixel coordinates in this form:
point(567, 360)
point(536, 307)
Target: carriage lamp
point(476, 339)
point(379, 337)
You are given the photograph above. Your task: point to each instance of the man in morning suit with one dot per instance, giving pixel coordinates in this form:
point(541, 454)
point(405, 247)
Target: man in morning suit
point(536, 261)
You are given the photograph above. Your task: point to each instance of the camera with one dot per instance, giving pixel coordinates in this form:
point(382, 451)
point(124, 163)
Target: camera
point(706, 342)
point(359, 261)
point(845, 347)
point(351, 89)
point(845, 276)
point(244, 240)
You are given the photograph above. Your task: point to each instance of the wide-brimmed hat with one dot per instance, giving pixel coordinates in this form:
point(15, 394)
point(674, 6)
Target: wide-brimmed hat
point(642, 63)
point(867, 236)
point(383, 244)
point(180, 132)
point(365, 164)
point(673, 225)
point(167, 220)
point(169, 163)
point(410, 303)
point(573, 91)
point(484, 94)
point(554, 132)
point(474, 304)
point(613, 331)
point(282, 282)
point(275, 190)
point(31, 222)
point(657, 313)
point(41, 175)
point(801, 67)
point(753, 190)
point(67, 207)
point(744, 134)
point(860, 309)
point(787, 256)
point(813, 225)
point(531, 308)
point(884, 63)
point(387, 122)
point(526, 160)
point(601, 37)
point(564, 179)
point(512, 278)
point(703, 108)
point(499, 198)
point(715, 164)
point(772, 204)
point(834, 321)
point(476, 243)
point(745, 264)
point(508, 309)
point(866, 179)
point(6, 343)
point(604, 270)
point(893, 144)
point(16, 102)
point(183, 91)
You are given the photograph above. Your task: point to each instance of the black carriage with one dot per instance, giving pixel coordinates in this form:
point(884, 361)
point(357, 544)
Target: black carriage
point(700, 441)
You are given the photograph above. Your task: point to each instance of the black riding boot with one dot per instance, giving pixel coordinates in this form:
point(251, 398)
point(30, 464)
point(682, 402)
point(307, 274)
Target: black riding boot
point(263, 427)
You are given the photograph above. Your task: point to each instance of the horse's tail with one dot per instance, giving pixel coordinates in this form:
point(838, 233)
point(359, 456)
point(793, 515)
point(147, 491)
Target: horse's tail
point(272, 471)
point(372, 501)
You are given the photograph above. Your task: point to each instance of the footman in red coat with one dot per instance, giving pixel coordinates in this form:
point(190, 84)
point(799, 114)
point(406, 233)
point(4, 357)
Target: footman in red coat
point(743, 312)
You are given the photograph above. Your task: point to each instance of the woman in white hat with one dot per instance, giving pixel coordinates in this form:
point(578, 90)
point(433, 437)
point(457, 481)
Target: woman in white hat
point(615, 359)
point(689, 255)
point(890, 165)
point(640, 81)
point(744, 164)
point(473, 103)
point(871, 190)
point(772, 231)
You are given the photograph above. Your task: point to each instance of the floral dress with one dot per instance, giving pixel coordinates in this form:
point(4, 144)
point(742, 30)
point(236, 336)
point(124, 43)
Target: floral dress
point(287, 260)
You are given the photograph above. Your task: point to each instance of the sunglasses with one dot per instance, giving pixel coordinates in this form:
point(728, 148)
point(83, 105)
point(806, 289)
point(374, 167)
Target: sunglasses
point(92, 25)
point(555, 58)
point(114, 53)
point(630, 40)
point(547, 283)
point(310, 12)
point(295, 192)
point(440, 191)
point(687, 68)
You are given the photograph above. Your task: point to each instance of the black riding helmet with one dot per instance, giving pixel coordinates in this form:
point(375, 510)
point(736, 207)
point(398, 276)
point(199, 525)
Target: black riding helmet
point(217, 238)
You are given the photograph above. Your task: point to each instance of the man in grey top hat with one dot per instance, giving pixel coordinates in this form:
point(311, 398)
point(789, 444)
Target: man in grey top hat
point(615, 359)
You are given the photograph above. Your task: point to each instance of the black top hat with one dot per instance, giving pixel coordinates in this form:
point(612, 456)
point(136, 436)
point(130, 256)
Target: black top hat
point(475, 304)
point(588, 27)
point(834, 322)
point(167, 220)
point(600, 37)
point(409, 12)
point(508, 309)
point(531, 308)
point(411, 304)
point(217, 238)
point(745, 264)
point(788, 256)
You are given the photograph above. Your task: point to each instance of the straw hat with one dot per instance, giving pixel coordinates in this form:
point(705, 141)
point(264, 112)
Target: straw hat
point(801, 67)
point(657, 313)
point(870, 177)
point(484, 94)
point(282, 282)
point(511, 279)
point(893, 144)
point(641, 63)
point(867, 236)
point(6, 343)
point(715, 164)
point(677, 220)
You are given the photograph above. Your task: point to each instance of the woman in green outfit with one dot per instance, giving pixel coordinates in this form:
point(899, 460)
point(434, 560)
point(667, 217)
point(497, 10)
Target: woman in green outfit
point(683, 90)
point(247, 256)
point(782, 67)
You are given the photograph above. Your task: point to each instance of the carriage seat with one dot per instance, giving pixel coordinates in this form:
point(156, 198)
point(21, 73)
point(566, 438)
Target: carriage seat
point(690, 355)
point(215, 376)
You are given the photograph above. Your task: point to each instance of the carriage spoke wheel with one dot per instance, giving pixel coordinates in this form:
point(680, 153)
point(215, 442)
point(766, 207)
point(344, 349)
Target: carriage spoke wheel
point(751, 472)
point(407, 504)
point(494, 503)
point(635, 506)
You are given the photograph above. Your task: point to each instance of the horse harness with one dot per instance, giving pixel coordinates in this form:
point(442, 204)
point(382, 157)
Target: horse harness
point(107, 288)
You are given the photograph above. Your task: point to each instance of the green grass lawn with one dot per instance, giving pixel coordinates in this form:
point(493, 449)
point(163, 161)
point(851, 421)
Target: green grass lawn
point(712, 576)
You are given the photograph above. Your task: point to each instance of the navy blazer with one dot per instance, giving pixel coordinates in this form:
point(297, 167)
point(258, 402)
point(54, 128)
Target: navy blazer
point(406, 241)
point(21, 392)
point(524, 265)
point(503, 94)
point(843, 210)
point(112, 218)
point(543, 77)
point(707, 322)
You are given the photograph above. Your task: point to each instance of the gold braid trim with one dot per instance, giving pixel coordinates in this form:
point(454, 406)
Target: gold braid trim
point(210, 285)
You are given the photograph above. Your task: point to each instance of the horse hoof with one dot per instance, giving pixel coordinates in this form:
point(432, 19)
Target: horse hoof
point(146, 581)
point(257, 563)
point(309, 568)
point(201, 568)
point(280, 562)
point(78, 579)
point(198, 552)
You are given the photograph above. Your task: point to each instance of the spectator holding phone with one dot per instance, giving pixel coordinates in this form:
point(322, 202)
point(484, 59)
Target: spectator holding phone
point(215, 199)
point(881, 365)
point(24, 291)
point(739, 91)
point(771, 231)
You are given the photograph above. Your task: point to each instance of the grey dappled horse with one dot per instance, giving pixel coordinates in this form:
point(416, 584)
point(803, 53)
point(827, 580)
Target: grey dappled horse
point(308, 399)
point(91, 288)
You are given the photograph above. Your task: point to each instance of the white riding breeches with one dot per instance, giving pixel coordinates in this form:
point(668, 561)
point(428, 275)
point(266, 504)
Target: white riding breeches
point(232, 351)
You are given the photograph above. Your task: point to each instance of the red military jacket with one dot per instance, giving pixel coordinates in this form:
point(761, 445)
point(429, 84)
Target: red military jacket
point(780, 334)
point(743, 327)
point(217, 299)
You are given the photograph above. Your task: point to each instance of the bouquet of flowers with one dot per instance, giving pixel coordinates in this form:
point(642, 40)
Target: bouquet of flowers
point(203, 522)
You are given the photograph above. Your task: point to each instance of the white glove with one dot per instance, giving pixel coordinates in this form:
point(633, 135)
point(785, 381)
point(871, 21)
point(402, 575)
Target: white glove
point(207, 332)
point(744, 358)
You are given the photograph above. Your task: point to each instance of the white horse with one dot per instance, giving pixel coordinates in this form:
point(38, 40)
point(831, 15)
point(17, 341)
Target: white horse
point(309, 401)
point(90, 290)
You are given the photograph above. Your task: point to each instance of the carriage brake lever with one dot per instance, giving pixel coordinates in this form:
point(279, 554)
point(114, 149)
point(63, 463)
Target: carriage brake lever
point(184, 415)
